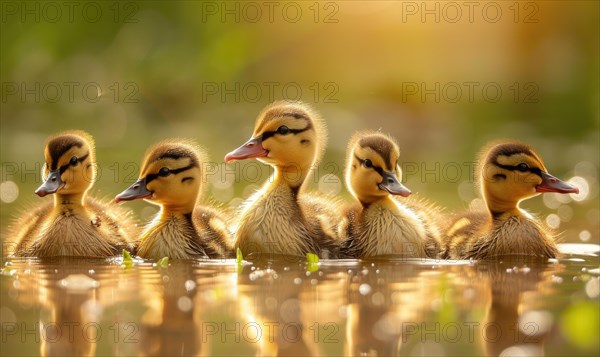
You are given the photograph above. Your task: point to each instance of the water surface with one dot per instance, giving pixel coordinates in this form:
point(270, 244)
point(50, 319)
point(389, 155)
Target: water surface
point(281, 306)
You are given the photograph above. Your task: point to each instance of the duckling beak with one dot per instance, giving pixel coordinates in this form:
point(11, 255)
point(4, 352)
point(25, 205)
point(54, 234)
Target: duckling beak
point(552, 184)
point(391, 184)
point(52, 184)
point(251, 149)
point(136, 191)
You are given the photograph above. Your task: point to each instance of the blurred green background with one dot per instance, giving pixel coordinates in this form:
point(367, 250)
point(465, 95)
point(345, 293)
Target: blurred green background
point(442, 77)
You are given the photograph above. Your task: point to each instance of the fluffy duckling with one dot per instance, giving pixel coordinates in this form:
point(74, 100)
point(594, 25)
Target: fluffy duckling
point(75, 224)
point(379, 224)
point(171, 177)
point(281, 218)
point(509, 172)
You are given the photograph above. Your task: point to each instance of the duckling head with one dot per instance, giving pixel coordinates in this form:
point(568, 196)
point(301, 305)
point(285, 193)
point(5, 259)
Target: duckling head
point(511, 172)
point(170, 177)
point(372, 171)
point(288, 135)
point(69, 168)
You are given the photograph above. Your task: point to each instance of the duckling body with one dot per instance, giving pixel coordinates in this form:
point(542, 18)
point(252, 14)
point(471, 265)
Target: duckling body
point(184, 228)
point(509, 172)
point(75, 224)
point(378, 224)
point(202, 233)
point(282, 218)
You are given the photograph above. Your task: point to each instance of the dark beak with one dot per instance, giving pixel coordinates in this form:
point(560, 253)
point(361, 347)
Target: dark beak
point(391, 184)
point(552, 184)
point(251, 149)
point(52, 184)
point(136, 191)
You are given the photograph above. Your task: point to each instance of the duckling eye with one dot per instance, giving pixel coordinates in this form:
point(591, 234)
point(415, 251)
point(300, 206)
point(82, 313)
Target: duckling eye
point(522, 167)
point(367, 163)
point(164, 172)
point(283, 130)
point(74, 160)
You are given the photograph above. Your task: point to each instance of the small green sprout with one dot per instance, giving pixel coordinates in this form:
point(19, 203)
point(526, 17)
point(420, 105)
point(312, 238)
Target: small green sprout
point(127, 259)
point(163, 262)
point(239, 258)
point(312, 261)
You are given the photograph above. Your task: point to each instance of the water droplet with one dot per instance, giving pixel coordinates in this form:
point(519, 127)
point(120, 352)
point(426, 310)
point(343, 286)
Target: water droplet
point(585, 235)
point(189, 285)
point(184, 303)
point(364, 289)
point(592, 288)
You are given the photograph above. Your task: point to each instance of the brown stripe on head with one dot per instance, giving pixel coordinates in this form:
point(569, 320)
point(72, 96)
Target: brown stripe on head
point(299, 111)
point(59, 144)
point(381, 144)
point(503, 148)
point(193, 156)
point(296, 110)
point(176, 149)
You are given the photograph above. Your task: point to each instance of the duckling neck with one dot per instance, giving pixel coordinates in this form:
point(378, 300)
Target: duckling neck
point(502, 207)
point(386, 202)
point(166, 213)
point(292, 176)
point(68, 202)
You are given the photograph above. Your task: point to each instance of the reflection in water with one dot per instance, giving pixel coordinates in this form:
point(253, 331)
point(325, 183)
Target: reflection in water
point(512, 328)
point(167, 327)
point(380, 307)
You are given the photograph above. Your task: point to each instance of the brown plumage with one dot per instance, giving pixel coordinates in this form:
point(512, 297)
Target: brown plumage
point(508, 173)
point(377, 224)
point(282, 218)
point(171, 177)
point(75, 224)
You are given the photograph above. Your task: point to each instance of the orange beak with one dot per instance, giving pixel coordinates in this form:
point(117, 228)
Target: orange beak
point(552, 184)
point(251, 149)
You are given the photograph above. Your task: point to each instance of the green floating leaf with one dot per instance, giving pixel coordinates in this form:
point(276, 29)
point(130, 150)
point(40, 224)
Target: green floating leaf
point(163, 262)
point(312, 262)
point(238, 256)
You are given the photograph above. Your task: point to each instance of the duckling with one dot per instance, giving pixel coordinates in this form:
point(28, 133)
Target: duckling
point(75, 224)
point(282, 218)
point(378, 224)
point(509, 172)
point(171, 177)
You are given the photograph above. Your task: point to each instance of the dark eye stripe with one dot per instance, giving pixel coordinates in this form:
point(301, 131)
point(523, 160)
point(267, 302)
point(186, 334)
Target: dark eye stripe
point(374, 167)
point(268, 134)
point(64, 168)
point(151, 177)
point(533, 170)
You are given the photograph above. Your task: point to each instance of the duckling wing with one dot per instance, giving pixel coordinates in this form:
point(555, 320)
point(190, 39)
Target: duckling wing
point(433, 219)
point(25, 229)
point(463, 231)
point(212, 228)
point(116, 221)
point(347, 230)
point(323, 217)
